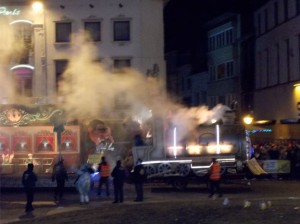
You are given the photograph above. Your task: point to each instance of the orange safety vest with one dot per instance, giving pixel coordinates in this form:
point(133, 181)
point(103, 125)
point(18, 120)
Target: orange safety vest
point(215, 171)
point(105, 170)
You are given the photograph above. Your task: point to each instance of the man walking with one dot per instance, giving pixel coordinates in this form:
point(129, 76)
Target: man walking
point(28, 180)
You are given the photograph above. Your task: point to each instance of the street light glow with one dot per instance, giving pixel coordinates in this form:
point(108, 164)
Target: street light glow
point(37, 6)
point(248, 119)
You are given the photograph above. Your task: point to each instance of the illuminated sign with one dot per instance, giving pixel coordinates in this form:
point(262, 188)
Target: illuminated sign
point(7, 12)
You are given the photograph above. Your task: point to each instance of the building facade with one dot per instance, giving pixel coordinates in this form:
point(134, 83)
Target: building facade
point(277, 67)
point(125, 34)
point(224, 60)
point(36, 47)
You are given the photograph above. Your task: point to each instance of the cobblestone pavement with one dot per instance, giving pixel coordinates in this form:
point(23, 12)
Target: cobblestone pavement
point(12, 200)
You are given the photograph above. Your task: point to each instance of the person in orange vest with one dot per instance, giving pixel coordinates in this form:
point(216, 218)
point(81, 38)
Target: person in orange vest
point(215, 178)
point(104, 169)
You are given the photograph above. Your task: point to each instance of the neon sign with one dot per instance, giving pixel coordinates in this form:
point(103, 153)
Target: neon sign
point(6, 12)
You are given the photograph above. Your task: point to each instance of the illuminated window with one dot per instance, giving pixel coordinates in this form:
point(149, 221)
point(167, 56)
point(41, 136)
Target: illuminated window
point(63, 32)
point(94, 29)
point(121, 31)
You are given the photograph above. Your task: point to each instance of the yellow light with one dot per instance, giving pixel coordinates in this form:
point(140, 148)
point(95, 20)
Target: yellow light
point(194, 149)
point(224, 148)
point(213, 121)
point(248, 119)
point(37, 6)
point(297, 85)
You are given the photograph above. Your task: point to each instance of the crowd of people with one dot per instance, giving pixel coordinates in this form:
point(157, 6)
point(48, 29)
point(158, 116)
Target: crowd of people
point(280, 151)
point(83, 182)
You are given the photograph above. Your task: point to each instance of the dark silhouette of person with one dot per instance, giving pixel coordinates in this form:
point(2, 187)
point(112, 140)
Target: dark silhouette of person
point(59, 175)
point(29, 179)
point(139, 177)
point(118, 174)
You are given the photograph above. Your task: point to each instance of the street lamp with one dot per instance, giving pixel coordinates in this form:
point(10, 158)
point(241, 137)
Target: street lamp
point(37, 6)
point(248, 119)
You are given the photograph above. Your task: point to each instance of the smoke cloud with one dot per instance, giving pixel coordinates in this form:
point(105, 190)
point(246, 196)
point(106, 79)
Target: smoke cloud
point(90, 90)
point(8, 49)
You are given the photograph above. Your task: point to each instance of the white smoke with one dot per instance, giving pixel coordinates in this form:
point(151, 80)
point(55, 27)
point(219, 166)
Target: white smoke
point(8, 49)
point(90, 89)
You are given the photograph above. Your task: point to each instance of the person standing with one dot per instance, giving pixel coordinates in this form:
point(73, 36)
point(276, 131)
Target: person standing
point(104, 169)
point(29, 179)
point(118, 174)
point(83, 183)
point(139, 176)
point(59, 175)
point(215, 178)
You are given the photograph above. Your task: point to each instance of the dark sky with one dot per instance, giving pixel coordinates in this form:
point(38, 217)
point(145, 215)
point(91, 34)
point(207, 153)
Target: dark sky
point(184, 22)
point(184, 19)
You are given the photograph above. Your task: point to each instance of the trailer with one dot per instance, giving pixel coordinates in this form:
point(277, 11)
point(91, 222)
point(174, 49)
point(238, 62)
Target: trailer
point(179, 161)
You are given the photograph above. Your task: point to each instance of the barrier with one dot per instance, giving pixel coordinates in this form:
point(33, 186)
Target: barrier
point(255, 168)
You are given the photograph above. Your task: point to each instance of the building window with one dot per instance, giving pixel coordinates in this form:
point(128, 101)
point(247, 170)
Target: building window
point(94, 30)
point(229, 69)
point(267, 66)
point(258, 24)
point(266, 19)
point(260, 70)
point(225, 70)
point(221, 71)
point(189, 84)
point(277, 62)
point(276, 13)
point(63, 32)
point(229, 36)
point(213, 101)
point(286, 10)
point(297, 7)
point(23, 81)
point(121, 64)
point(22, 34)
point(203, 97)
point(287, 42)
point(60, 68)
point(121, 31)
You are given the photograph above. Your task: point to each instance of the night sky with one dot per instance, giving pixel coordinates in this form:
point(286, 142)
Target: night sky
point(184, 22)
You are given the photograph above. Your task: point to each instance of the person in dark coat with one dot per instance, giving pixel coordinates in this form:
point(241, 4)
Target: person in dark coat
point(29, 179)
point(139, 177)
point(118, 174)
point(59, 175)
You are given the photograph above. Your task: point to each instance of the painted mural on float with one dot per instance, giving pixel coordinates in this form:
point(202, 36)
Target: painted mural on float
point(28, 136)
